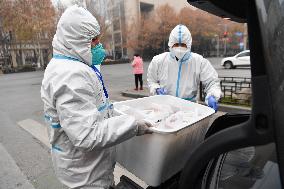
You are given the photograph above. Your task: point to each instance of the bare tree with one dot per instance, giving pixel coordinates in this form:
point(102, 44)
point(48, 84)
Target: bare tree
point(166, 19)
point(30, 21)
point(28, 18)
point(151, 32)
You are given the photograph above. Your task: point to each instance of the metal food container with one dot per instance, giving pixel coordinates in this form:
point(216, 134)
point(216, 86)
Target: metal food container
point(156, 157)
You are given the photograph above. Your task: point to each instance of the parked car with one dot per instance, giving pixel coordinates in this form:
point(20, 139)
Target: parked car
point(241, 59)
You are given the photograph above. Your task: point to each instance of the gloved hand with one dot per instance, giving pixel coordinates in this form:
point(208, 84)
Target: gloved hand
point(143, 127)
point(160, 91)
point(212, 103)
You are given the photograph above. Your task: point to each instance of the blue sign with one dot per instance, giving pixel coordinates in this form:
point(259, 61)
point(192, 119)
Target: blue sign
point(239, 34)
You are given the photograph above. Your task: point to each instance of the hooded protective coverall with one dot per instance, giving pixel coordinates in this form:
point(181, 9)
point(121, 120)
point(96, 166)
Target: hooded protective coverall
point(81, 130)
point(181, 77)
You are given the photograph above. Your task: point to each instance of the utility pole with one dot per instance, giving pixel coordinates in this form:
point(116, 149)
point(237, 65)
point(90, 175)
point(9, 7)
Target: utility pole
point(225, 40)
point(224, 37)
point(111, 12)
point(1, 37)
point(245, 36)
point(218, 45)
point(1, 45)
point(120, 26)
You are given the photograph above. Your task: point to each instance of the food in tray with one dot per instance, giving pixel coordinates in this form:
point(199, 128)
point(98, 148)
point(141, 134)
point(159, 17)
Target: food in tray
point(163, 116)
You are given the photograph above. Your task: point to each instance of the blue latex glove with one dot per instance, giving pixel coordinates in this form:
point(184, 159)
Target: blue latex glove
point(212, 103)
point(160, 91)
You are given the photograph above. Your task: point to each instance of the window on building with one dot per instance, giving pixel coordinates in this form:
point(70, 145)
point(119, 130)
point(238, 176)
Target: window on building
point(117, 38)
point(116, 25)
point(115, 12)
point(118, 53)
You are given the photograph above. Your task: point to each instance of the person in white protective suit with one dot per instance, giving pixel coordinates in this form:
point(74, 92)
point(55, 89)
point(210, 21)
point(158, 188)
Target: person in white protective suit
point(82, 131)
point(180, 71)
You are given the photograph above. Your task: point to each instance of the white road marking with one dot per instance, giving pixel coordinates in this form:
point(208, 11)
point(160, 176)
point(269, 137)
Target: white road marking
point(36, 129)
point(11, 176)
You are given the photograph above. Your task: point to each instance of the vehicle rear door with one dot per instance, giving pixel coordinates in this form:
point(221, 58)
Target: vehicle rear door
point(264, 128)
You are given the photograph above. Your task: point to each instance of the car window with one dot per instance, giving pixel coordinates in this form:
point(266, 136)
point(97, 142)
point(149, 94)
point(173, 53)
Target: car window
point(243, 54)
point(253, 167)
point(250, 167)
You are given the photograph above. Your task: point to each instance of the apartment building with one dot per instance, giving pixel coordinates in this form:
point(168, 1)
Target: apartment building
point(123, 12)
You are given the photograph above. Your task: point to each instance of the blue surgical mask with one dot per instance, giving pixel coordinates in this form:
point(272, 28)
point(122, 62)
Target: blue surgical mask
point(98, 54)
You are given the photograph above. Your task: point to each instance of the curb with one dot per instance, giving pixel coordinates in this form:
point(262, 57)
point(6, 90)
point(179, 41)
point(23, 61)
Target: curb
point(113, 62)
point(133, 95)
point(234, 109)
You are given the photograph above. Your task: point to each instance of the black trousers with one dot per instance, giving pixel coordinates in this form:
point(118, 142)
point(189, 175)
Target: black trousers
point(138, 77)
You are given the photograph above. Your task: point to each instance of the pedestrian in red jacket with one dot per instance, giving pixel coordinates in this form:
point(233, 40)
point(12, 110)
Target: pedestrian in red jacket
point(137, 65)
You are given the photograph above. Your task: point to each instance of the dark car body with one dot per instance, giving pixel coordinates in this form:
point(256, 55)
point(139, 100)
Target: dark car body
point(265, 126)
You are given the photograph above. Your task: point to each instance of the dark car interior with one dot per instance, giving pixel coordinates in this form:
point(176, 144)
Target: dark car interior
point(265, 124)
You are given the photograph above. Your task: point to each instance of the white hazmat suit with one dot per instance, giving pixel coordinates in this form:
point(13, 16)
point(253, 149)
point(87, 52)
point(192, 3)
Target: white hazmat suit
point(81, 130)
point(181, 77)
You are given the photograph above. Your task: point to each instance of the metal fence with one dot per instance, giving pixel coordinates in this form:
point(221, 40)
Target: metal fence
point(236, 90)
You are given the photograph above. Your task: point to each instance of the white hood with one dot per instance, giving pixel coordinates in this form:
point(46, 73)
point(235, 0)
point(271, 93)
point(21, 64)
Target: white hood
point(180, 34)
point(75, 31)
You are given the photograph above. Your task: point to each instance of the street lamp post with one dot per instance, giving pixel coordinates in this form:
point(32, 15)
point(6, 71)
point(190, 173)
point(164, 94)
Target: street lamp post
point(225, 38)
point(218, 45)
point(245, 36)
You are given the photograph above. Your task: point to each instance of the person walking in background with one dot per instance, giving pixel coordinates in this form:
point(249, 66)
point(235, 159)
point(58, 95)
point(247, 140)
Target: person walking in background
point(137, 65)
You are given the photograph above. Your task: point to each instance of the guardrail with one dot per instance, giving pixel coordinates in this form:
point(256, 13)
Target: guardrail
point(236, 90)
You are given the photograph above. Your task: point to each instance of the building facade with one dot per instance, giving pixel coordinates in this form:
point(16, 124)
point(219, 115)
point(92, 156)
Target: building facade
point(118, 14)
point(122, 13)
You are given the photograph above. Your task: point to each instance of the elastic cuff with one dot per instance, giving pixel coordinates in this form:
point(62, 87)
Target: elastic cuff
point(206, 100)
point(156, 90)
point(136, 129)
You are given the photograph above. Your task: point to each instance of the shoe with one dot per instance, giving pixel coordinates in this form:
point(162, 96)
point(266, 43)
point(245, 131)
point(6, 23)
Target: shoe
point(141, 88)
point(136, 89)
